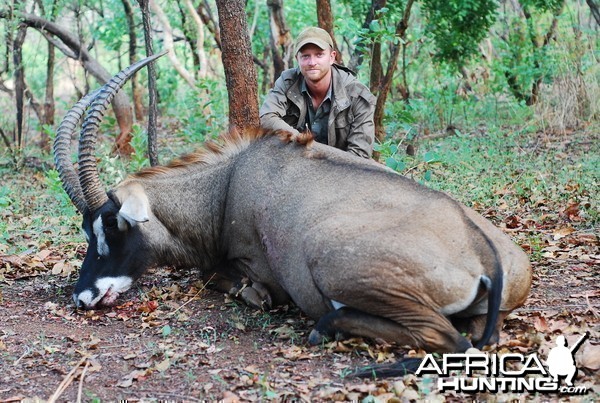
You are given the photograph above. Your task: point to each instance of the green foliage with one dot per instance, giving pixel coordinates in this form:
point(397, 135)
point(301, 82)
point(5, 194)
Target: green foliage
point(457, 26)
point(139, 142)
point(418, 167)
point(55, 189)
point(543, 5)
point(5, 199)
point(485, 168)
point(5, 202)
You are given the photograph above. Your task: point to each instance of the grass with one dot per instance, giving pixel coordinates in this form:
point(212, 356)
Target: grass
point(504, 168)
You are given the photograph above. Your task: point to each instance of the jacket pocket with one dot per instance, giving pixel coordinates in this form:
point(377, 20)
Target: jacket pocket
point(342, 124)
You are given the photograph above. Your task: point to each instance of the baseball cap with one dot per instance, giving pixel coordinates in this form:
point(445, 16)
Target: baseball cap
point(314, 35)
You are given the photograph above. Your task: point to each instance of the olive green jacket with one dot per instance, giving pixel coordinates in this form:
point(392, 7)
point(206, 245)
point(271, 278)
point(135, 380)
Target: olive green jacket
point(350, 125)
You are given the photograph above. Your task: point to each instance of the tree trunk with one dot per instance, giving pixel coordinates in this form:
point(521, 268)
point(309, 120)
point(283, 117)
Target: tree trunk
point(201, 54)
point(19, 84)
point(138, 107)
point(386, 82)
point(357, 56)
point(168, 43)
point(595, 10)
point(152, 93)
point(209, 21)
point(73, 48)
point(280, 42)
point(240, 73)
point(532, 97)
point(188, 37)
point(376, 68)
point(325, 21)
point(49, 105)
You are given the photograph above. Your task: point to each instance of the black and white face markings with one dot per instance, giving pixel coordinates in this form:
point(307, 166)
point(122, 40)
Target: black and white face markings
point(105, 289)
point(101, 278)
point(114, 255)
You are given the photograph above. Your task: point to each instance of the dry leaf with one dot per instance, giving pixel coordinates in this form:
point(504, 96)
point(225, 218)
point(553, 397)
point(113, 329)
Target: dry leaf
point(163, 365)
point(590, 357)
point(562, 232)
point(540, 324)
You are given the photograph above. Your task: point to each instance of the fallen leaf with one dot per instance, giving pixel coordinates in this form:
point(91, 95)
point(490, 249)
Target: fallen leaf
point(163, 365)
point(127, 380)
point(590, 357)
point(540, 324)
point(562, 232)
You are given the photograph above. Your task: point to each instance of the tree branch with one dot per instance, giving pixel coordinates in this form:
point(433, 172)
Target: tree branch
point(121, 104)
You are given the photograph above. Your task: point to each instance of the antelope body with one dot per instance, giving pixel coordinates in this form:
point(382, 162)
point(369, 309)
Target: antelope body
point(357, 247)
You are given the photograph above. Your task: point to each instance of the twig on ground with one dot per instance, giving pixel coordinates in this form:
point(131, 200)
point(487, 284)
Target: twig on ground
point(27, 351)
point(66, 381)
point(194, 297)
point(591, 307)
point(80, 390)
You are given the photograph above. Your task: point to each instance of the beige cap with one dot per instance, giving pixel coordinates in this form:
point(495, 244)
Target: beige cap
point(314, 35)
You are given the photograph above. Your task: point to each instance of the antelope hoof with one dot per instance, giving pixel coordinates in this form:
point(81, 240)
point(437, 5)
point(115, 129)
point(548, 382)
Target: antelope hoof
point(316, 338)
point(256, 296)
point(262, 291)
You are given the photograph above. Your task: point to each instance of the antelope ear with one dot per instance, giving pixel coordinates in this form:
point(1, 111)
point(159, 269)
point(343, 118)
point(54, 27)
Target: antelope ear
point(135, 207)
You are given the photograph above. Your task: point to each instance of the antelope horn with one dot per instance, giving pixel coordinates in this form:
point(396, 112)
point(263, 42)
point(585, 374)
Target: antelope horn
point(62, 151)
point(93, 191)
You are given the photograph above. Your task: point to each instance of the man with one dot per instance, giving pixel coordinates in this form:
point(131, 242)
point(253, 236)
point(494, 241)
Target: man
point(322, 97)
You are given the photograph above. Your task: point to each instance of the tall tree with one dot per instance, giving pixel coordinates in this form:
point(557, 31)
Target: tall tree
point(240, 73)
point(280, 42)
point(358, 54)
point(595, 10)
point(135, 86)
point(325, 21)
point(168, 43)
point(200, 54)
point(67, 43)
point(152, 92)
point(527, 47)
point(48, 111)
point(386, 81)
point(19, 83)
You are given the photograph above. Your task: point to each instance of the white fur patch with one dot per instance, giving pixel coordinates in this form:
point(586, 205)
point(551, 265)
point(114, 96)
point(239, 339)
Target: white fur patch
point(109, 289)
point(85, 297)
point(103, 249)
point(337, 305)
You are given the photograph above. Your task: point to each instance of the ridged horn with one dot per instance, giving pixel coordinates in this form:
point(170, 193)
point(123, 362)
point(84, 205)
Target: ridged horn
point(62, 151)
point(93, 191)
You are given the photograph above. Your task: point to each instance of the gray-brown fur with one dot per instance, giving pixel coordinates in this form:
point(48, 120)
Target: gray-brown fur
point(356, 246)
point(317, 224)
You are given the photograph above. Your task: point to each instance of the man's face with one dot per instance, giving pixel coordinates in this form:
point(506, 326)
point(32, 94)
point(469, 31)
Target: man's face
point(315, 63)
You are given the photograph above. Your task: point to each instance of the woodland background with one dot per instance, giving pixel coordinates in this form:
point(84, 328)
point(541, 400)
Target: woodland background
point(496, 102)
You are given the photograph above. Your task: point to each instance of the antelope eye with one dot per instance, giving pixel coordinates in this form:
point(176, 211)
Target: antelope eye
point(110, 221)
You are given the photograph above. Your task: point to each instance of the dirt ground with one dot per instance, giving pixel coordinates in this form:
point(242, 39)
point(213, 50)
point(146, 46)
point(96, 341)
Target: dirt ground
point(172, 340)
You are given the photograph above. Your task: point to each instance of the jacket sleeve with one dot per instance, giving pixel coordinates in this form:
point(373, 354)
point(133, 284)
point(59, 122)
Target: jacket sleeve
point(362, 132)
point(274, 109)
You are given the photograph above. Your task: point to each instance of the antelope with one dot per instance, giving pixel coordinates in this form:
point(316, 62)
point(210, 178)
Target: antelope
point(358, 247)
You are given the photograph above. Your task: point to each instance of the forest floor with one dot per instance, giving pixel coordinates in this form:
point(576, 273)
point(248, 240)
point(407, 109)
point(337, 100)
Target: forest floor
point(170, 339)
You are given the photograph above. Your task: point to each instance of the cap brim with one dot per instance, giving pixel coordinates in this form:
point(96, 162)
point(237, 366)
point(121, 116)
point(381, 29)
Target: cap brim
point(322, 44)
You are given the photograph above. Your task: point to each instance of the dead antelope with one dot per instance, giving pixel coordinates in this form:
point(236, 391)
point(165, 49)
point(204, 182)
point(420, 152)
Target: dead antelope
point(362, 250)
